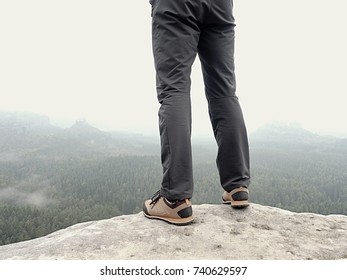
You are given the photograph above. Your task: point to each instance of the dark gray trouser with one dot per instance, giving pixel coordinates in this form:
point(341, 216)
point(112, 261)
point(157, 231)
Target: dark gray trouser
point(180, 30)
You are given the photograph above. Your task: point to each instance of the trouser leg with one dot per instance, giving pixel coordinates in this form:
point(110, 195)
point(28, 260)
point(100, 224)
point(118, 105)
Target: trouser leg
point(216, 53)
point(174, 49)
point(231, 136)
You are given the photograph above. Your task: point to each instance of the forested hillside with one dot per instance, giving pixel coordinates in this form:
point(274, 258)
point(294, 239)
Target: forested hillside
point(51, 178)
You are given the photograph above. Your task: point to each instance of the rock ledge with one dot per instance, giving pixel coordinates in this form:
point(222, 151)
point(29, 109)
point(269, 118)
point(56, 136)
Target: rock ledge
point(218, 232)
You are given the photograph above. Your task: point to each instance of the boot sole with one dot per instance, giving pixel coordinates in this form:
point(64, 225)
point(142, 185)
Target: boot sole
point(237, 204)
point(173, 221)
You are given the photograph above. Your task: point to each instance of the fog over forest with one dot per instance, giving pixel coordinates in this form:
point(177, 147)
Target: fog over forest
point(53, 177)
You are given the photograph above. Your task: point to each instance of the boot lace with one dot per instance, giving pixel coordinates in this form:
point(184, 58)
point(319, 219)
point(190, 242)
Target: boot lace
point(155, 198)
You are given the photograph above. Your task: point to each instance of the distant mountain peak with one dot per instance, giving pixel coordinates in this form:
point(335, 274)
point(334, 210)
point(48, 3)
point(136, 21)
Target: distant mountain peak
point(278, 127)
point(293, 137)
point(285, 133)
point(24, 119)
point(81, 125)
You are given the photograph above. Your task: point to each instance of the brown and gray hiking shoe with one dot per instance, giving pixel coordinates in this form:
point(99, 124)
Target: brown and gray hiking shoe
point(237, 198)
point(177, 213)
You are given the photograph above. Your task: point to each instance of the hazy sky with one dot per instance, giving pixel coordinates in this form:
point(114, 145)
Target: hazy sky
point(71, 59)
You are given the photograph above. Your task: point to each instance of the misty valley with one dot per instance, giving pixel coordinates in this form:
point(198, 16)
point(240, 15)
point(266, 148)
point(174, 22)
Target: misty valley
point(51, 177)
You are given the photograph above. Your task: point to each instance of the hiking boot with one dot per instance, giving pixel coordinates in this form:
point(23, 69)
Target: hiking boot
point(178, 213)
point(237, 198)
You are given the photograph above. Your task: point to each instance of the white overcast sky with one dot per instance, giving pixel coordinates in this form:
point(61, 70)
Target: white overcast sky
point(92, 59)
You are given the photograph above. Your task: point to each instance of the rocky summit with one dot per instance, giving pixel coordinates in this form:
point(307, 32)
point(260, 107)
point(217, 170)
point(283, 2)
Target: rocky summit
point(218, 232)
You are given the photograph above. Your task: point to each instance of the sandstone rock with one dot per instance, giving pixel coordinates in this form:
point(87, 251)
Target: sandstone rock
point(218, 232)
